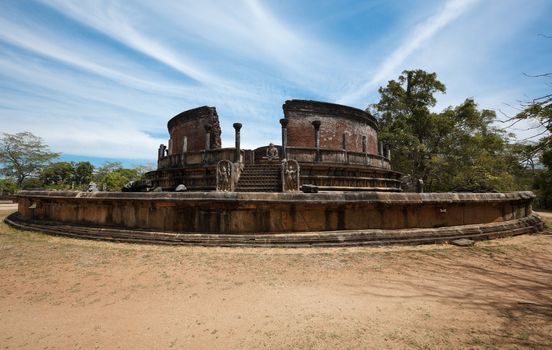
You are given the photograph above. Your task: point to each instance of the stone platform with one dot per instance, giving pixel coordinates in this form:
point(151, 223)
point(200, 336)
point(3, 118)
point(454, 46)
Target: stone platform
point(372, 237)
point(277, 219)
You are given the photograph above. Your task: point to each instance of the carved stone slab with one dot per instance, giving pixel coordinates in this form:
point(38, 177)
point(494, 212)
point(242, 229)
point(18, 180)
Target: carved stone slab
point(290, 176)
point(225, 181)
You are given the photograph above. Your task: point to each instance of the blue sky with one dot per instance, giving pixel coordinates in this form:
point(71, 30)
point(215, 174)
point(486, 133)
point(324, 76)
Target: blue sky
point(100, 79)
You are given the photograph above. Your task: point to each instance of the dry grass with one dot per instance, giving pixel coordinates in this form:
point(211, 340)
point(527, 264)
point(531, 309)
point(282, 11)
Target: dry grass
point(66, 293)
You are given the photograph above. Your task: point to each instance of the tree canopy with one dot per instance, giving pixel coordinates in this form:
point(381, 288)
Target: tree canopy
point(27, 162)
point(457, 149)
point(67, 174)
point(23, 155)
point(113, 176)
point(539, 112)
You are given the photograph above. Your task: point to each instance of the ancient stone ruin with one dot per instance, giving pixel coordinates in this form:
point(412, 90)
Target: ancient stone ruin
point(329, 146)
point(329, 183)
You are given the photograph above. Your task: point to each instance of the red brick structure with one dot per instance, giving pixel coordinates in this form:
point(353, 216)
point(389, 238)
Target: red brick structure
point(341, 127)
point(336, 148)
point(254, 197)
point(188, 130)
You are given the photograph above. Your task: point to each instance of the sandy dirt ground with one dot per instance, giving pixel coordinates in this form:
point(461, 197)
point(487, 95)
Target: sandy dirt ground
point(60, 293)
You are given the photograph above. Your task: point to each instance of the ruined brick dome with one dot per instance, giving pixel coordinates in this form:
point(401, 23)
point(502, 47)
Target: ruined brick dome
point(330, 147)
point(341, 127)
point(188, 130)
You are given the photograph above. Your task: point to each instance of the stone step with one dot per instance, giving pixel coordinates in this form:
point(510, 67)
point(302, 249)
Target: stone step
point(258, 184)
point(260, 172)
point(263, 181)
point(260, 178)
point(257, 189)
point(258, 181)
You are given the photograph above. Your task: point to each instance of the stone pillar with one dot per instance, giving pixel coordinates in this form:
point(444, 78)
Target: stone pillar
point(237, 128)
point(386, 151)
point(365, 149)
point(161, 151)
point(316, 124)
point(344, 141)
point(284, 123)
point(380, 148)
point(208, 137)
point(185, 144)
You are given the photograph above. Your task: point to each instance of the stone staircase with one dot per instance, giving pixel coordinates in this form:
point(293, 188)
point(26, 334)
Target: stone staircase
point(264, 177)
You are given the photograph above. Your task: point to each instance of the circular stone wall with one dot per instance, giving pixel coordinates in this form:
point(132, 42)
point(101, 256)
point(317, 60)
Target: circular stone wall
point(218, 218)
point(187, 130)
point(341, 127)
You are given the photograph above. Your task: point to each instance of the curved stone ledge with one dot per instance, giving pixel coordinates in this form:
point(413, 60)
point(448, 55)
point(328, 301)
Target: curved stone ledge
point(369, 197)
point(374, 237)
point(271, 213)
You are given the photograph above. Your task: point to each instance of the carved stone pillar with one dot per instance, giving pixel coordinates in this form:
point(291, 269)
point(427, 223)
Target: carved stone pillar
point(316, 124)
point(284, 123)
point(208, 137)
point(225, 176)
point(290, 176)
point(237, 128)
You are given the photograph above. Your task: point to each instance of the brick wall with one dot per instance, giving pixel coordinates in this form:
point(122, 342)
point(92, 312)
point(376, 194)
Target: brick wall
point(191, 124)
point(335, 121)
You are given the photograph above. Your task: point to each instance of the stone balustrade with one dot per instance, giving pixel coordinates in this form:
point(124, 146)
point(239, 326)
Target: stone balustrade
point(209, 157)
point(327, 156)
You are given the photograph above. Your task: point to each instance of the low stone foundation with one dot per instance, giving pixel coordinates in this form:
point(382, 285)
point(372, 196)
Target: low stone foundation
point(371, 237)
point(227, 218)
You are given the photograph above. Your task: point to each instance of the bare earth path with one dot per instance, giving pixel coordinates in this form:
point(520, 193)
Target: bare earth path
point(65, 293)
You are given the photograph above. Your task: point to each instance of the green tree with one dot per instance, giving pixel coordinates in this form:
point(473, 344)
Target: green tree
point(543, 180)
point(60, 174)
point(456, 149)
point(105, 169)
point(539, 111)
point(406, 121)
point(84, 172)
point(472, 155)
point(113, 176)
point(142, 169)
point(23, 155)
point(64, 175)
point(7, 186)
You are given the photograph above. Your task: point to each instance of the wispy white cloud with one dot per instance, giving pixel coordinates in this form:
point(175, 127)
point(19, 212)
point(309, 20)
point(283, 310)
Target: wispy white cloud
point(106, 88)
point(109, 18)
point(420, 35)
point(246, 31)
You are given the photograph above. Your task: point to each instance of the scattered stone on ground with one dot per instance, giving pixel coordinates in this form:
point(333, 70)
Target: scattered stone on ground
point(180, 188)
point(463, 242)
